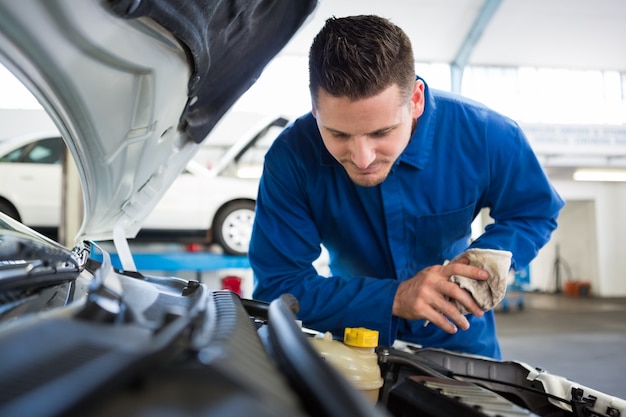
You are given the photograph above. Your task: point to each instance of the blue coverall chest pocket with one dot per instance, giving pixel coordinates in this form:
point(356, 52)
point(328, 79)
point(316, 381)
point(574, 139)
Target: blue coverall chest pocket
point(441, 236)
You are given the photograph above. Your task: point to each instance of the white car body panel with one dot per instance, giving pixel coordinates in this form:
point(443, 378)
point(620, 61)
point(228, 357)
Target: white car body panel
point(210, 193)
point(36, 188)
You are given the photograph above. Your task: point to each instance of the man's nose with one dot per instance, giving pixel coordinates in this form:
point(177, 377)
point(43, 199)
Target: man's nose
point(362, 152)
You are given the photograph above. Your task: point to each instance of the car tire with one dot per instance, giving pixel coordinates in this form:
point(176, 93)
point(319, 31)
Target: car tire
point(8, 209)
point(232, 227)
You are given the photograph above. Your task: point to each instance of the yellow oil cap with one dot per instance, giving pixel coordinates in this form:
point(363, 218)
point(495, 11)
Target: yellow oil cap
point(360, 337)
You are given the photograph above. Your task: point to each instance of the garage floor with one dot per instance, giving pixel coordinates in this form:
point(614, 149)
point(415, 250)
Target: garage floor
point(582, 339)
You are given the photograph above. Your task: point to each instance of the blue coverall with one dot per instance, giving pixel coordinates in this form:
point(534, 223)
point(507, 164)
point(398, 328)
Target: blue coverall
point(461, 158)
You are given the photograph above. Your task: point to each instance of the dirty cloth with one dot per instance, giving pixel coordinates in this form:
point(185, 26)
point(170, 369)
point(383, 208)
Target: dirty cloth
point(489, 293)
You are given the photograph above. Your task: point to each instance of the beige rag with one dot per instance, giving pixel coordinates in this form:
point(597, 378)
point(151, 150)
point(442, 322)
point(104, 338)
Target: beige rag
point(489, 293)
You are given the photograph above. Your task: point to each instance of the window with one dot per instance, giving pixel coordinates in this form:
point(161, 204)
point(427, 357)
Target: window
point(46, 151)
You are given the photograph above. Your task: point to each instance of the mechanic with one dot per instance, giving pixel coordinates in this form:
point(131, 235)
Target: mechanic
point(388, 175)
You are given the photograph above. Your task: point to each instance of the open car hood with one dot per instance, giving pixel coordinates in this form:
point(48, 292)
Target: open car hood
point(135, 86)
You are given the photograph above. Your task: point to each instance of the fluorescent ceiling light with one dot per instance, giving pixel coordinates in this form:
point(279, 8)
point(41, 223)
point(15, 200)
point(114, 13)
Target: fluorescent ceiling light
point(590, 174)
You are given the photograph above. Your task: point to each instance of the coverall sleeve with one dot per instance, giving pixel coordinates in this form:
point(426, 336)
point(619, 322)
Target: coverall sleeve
point(521, 199)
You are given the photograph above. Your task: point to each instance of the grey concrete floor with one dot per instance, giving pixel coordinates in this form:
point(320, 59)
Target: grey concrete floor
point(581, 339)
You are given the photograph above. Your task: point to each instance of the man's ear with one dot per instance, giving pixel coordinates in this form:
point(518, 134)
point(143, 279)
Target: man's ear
point(314, 111)
point(417, 99)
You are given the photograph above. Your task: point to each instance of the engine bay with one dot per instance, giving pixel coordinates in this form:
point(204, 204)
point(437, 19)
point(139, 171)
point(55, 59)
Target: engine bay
point(123, 343)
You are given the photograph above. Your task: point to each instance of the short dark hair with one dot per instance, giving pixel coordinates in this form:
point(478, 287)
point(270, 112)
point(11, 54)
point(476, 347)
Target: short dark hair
point(360, 56)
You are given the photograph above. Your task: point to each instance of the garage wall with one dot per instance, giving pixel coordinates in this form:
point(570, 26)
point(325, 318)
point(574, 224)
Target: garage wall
point(575, 243)
point(612, 239)
point(591, 239)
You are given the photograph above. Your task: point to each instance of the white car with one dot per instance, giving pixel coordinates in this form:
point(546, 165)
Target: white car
point(209, 205)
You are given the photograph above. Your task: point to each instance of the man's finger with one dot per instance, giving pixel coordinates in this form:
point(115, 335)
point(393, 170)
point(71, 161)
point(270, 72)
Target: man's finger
point(441, 321)
point(453, 291)
point(469, 271)
point(447, 311)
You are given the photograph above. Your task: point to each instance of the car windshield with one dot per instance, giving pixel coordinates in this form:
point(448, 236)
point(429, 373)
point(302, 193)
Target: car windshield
point(242, 158)
point(45, 151)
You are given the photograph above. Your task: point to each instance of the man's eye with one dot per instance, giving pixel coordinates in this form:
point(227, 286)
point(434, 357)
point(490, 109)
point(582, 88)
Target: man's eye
point(381, 134)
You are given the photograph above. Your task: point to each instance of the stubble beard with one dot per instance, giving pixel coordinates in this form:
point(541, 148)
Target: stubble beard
point(369, 180)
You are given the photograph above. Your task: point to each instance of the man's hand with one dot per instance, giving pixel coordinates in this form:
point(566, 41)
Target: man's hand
point(426, 296)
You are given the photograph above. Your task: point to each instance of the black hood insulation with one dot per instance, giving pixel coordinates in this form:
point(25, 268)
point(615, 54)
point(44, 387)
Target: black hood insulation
point(228, 42)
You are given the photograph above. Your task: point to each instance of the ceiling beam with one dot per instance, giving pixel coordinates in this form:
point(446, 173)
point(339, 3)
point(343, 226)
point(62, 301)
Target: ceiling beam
point(457, 66)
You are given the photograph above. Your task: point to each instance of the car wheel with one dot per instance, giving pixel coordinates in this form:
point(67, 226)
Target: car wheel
point(232, 227)
point(8, 209)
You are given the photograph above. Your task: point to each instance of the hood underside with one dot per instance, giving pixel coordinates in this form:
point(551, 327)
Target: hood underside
point(135, 86)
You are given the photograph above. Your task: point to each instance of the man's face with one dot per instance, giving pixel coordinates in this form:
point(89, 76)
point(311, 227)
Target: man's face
point(367, 136)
